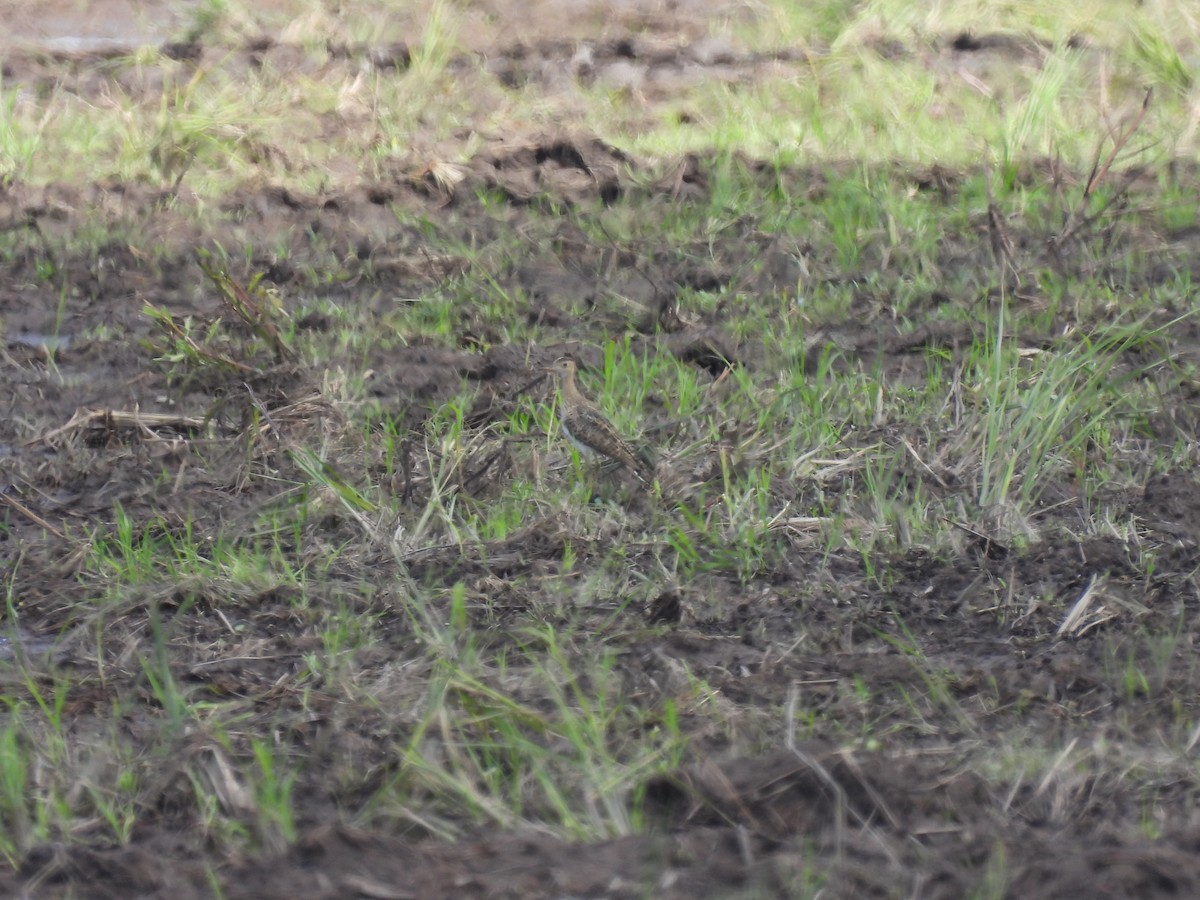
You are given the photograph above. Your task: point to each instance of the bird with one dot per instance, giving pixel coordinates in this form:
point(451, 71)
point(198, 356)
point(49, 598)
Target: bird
point(588, 428)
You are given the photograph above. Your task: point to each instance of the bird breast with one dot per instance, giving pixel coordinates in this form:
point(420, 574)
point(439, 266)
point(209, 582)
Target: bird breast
point(584, 449)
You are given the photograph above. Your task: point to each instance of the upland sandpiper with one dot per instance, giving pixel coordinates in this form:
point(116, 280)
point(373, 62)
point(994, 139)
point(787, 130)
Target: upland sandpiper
point(588, 428)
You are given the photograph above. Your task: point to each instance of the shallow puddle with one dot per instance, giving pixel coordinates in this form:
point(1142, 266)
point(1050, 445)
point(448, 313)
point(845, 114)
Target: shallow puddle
point(44, 344)
point(15, 642)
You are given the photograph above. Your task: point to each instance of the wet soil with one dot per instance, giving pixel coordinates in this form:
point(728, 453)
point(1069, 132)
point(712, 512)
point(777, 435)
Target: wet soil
point(92, 423)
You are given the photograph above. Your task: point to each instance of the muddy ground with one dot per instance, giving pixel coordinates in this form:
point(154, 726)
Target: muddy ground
point(744, 814)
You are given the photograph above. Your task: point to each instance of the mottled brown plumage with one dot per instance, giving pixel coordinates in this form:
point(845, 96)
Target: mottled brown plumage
point(588, 429)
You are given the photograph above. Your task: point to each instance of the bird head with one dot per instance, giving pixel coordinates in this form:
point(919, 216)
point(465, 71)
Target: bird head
point(564, 366)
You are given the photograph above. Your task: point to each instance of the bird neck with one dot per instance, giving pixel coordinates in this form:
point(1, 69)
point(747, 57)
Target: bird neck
point(570, 390)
